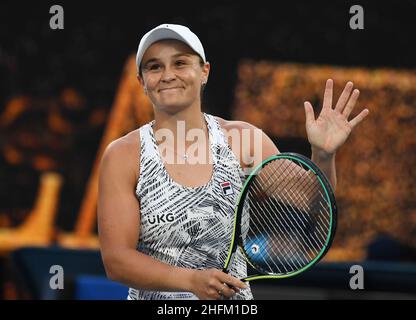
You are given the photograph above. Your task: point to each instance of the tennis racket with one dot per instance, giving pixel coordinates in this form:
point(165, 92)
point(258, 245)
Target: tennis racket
point(286, 218)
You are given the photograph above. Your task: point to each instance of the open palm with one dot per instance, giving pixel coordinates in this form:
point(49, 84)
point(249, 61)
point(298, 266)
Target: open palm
point(331, 129)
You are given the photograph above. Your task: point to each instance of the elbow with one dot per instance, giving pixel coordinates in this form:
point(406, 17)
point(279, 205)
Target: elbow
point(111, 273)
point(112, 268)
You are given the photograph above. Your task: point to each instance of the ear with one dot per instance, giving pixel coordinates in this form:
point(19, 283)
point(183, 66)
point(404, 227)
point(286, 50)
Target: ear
point(141, 81)
point(205, 72)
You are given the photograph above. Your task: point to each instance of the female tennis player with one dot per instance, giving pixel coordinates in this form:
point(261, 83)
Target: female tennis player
point(167, 190)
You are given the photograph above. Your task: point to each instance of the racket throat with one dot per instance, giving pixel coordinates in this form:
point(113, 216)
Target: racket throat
point(227, 268)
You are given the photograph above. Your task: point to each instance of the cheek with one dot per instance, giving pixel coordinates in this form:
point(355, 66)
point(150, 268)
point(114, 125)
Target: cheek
point(193, 80)
point(150, 82)
point(151, 85)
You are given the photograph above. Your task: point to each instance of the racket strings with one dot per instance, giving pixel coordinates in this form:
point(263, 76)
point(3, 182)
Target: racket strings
point(282, 231)
point(285, 218)
point(283, 254)
point(295, 224)
point(286, 252)
point(295, 209)
point(294, 257)
point(278, 165)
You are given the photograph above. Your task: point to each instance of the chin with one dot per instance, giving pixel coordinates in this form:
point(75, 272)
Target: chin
point(172, 108)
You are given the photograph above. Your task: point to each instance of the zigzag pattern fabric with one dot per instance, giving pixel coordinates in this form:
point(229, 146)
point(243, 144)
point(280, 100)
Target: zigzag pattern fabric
point(185, 226)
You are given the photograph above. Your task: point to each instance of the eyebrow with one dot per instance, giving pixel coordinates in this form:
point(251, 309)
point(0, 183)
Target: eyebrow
point(174, 56)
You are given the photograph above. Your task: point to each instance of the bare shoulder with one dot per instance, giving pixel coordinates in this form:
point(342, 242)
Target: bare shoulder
point(123, 155)
point(125, 142)
point(256, 143)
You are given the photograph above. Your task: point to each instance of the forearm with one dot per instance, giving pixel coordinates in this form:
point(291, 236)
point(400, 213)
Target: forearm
point(326, 162)
point(138, 270)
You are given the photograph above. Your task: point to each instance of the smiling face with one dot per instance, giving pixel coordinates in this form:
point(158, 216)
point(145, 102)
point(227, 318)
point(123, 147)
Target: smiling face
point(172, 74)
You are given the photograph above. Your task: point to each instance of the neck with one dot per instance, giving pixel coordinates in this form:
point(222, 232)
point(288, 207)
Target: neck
point(181, 123)
point(175, 133)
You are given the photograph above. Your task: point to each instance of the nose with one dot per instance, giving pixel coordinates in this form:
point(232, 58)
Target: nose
point(168, 75)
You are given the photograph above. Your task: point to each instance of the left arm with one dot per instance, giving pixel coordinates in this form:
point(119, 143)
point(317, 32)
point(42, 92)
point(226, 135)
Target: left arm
point(326, 162)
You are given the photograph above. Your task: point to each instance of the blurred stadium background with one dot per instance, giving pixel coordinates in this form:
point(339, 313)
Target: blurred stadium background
point(65, 94)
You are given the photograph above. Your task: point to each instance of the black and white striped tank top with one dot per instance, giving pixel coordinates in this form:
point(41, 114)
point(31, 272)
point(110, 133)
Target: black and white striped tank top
point(184, 226)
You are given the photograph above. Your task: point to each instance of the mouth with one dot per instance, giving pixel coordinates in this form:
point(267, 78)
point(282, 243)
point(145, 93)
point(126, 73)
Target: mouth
point(169, 89)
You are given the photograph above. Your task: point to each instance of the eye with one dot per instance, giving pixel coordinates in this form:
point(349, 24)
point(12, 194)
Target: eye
point(151, 67)
point(180, 63)
point(154, 67)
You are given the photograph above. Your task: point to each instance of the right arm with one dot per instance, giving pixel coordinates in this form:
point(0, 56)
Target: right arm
point(119, 224)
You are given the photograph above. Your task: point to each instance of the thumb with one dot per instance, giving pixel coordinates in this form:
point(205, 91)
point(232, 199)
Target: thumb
point(310, 116)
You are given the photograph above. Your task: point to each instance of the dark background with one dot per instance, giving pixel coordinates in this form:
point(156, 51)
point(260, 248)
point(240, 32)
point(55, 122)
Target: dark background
point(88, 56)
point(98, 36)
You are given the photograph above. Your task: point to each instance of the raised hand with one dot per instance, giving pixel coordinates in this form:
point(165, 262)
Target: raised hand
point(331, 129)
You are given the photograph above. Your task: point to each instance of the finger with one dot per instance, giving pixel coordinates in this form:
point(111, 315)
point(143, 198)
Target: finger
point(359, 118)
point(343, 99)
point(218, 296)
point(225, 290)
point(233, 282)
point(351, 103)
point(310, 115)
point(214, 295)
point(328, 94)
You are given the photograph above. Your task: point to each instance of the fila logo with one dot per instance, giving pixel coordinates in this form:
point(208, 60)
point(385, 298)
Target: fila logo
point(226, 187)
point(161, 218)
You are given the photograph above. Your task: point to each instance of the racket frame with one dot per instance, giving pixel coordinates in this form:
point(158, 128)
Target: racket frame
point(237, 241)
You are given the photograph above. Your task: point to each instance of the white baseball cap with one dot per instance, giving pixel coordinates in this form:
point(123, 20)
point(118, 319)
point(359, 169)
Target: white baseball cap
point(169, 31)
